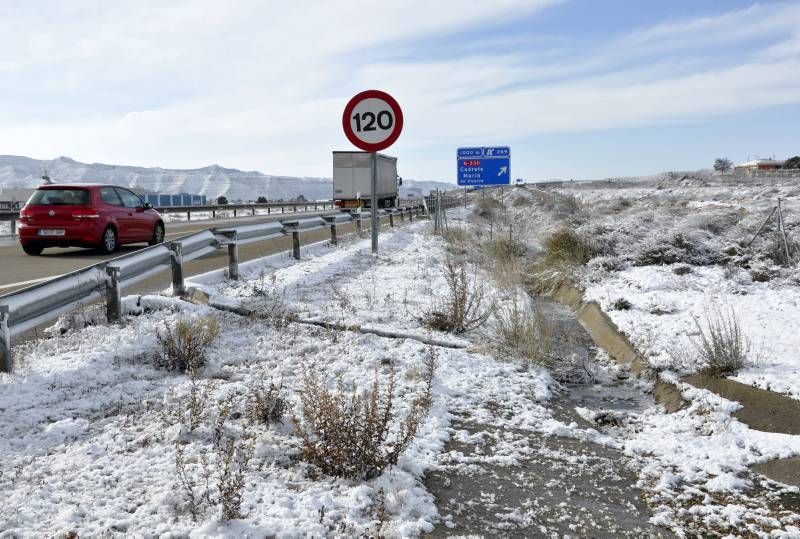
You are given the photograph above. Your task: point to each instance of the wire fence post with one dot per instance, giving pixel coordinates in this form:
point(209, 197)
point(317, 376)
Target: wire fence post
point(113, 295)
point(783, 233)
point(6, 364)
point(391, 219)
point(178, 287)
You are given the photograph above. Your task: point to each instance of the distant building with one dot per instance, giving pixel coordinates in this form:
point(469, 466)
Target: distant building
point(182, 199)
point(14, 198)
point(759, 165)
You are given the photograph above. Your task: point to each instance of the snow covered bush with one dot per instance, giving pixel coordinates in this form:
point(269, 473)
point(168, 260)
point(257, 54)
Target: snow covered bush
point(487, 207)
point(464, 307)
point(721, 345)
point(218, 480)
point(358, 435)
point(266, 403)
point(688, 248)
point(183, 348)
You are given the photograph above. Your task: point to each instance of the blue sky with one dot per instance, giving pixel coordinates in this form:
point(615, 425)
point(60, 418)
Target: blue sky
point(578, 88)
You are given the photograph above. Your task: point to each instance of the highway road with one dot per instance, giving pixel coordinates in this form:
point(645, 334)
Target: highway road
point(18, 270)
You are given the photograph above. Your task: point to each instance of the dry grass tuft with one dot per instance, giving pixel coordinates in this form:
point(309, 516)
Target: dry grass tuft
point(183, 349)
point(566, 246)
point(357, 435)
point(524, 332)
point(266, 403)
point(721, 345)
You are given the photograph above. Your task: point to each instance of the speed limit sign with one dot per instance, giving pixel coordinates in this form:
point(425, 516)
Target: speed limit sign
point(372, 120)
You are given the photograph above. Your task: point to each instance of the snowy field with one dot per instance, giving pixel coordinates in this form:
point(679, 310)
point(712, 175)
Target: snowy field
point(93, 427)
point(5, 228)
point(669, 252)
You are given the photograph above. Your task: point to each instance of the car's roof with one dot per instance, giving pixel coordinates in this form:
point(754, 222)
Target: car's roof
point(74, 185)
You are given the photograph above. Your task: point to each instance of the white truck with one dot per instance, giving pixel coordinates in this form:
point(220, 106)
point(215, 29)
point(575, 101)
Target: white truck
point(352, 177)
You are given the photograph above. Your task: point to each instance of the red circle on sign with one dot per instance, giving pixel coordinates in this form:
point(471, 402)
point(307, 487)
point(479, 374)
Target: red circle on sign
point(397, 124)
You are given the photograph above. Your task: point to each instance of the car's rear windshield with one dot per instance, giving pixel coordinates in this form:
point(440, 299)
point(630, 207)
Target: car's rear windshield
point(60, 197)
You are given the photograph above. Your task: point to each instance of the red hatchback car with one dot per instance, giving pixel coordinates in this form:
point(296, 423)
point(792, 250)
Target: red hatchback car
point(87, 215)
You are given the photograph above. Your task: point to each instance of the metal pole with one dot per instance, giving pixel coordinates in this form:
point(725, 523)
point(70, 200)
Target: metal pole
point(114, 298)
point(391, 219)
point(233, 256)
point(6, 365)
point(178, 288)
point(334, 239)
point(296, 244)
point(374, 201)
point(465, 197)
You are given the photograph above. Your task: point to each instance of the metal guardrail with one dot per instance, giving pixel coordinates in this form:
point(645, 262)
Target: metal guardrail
point(25, 309)
point(12, 216)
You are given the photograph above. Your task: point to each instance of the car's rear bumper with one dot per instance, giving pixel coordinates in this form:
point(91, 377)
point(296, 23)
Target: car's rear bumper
point(81, 234)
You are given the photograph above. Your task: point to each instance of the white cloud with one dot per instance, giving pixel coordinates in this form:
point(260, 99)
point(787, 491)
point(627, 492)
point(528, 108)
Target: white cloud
point(260, 85)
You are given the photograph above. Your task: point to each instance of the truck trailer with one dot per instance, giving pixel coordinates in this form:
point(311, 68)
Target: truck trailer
point(352, 177)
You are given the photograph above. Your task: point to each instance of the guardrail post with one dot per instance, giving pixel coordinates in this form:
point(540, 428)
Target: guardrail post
point(334, 239)
point(411, 215)
point(391, 219)
point(254, 211)
point(269, 210)
point(213, 214)
point(113, 295)
point(402, 214)
point(178, 288)
point(188, 216)
point(283, 209)
point(359, 224)
point(13, 227)
point(6, 365)
point(234, 212)
point(233, 255)
point(296, 244)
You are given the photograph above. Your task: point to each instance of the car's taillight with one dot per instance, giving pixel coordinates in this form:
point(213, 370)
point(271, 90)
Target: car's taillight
point(337, 203)
point(84, 214)
point(25, 216)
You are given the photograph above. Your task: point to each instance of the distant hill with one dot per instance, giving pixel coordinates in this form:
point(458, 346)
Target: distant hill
point(212, 181)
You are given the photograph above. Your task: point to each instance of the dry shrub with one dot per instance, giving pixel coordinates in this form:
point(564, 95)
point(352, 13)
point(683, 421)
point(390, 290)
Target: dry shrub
point(456, 238)
point(487, 206)
point(524, 332)
point(520, 201)
point(621, 304)
point(566, 246)
point(357, 435)
point(465, 307)
point(219, 478)
point(184, 347)
point(721, 345)
point(266, 403)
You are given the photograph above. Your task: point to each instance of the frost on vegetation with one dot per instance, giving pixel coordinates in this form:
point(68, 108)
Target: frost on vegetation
point(720, 346)
point(465, 305)
point(184, 347)
point(523, 332)
point(354, 434)
point(218, 479)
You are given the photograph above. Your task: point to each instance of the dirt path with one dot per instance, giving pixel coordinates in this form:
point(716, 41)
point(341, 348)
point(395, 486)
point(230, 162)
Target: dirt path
point(560, 486)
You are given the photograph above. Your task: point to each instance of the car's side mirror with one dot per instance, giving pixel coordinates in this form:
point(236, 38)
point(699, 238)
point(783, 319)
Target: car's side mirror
point(148, 206)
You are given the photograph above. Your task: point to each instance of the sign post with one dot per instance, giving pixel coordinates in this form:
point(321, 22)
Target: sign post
point(484, 166)
point(372, 121)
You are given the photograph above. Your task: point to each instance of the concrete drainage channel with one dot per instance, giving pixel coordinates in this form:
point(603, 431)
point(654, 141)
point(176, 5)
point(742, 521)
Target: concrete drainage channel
point(560, 485)
point(761, 410)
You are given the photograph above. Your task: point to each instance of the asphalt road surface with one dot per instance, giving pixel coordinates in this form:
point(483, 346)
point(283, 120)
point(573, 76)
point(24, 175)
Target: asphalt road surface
point(18, 270)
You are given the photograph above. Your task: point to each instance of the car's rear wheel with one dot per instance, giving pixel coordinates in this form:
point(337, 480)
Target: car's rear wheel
point(33, 250)
point(109, 243)
point(158, 234)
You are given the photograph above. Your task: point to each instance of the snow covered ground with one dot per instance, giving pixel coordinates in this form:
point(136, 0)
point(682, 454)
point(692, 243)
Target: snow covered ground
point(672, 251)
point(91, 426)
point(5, 228)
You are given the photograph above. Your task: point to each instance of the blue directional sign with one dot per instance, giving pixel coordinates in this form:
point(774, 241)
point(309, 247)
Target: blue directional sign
point(484, 165)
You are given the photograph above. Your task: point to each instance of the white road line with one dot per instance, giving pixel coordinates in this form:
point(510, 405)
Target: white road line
point(32, 281)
